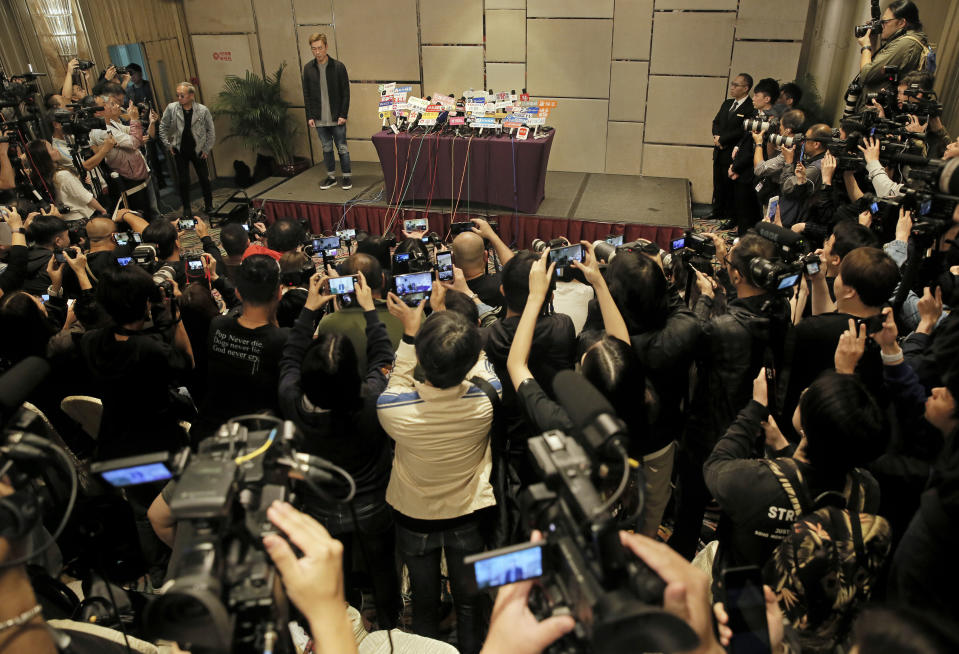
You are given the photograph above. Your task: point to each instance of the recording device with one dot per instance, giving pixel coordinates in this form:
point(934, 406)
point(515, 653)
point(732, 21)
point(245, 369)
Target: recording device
point(791, 245)
point(506, 565)
point(195, 272)
point(186, 223)
point(565, 256)
point(928, 105)
point(415, 225)
point(126, 238)
point(614, 597)
point(344, 288)
point(745, 605)
point(59, 256)
point(85, 64)
point(325, 246)
point(811, 264)
point(765, 124)
point(874, 24)
point(697, 243)
point(347, 234)
point(401, 263)
point(539, 244)
point(457, 228)
point(773, 206)
point(220, 593)
point(413, 287)
point(444, 266)
point(780, 140)
point(615, 240)
point(773, 276)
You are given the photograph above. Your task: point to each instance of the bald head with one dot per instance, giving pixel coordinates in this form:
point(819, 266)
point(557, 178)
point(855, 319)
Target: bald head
point(99, 230)
point(469, 253)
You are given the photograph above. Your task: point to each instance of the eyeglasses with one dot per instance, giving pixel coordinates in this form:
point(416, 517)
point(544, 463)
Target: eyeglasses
point(888, 20)
point(736, 84)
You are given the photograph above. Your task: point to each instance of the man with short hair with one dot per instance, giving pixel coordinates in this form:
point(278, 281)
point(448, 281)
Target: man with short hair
point(727, 130)
point(285, 235)
point(326, 94)
point(243, 352)
point(350, 321)
point(164, 235)
point(801, 180)
point(49, 234)
point(745, 198)
point(768, 160)
point(188, 134)
point(846, 236)
point(470, 255)
point(103, 250)
point(789, 96)
point(235, 240)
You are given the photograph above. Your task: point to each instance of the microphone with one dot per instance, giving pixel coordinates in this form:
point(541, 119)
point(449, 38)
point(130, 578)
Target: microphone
point(18, 382)
point(591, 414)
point(781, 236)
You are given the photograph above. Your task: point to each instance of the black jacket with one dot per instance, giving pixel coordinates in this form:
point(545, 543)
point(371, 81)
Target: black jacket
point(729, 355)
point(37, 280)
point(729, 128)
point(757, 512)
point(337, 83)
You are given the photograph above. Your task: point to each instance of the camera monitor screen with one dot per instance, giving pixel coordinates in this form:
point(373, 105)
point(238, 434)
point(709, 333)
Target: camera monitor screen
point(677, 244)
point(788, 282)
point(195, 265)
point(564, 257)
point(615, 240)
point(324, 243)
point(415, 225)
point(341, 285)
point(414, 287)
point(141, 474)
point(347, 233)
point(507, 566)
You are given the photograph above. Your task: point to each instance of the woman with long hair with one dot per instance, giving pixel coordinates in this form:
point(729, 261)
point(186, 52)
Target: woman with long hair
point(51, 176)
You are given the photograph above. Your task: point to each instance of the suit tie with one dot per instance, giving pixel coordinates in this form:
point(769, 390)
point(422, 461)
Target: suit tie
point(733, 107)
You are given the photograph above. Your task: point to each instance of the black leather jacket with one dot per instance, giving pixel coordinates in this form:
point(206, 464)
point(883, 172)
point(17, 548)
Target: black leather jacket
point(337, 83)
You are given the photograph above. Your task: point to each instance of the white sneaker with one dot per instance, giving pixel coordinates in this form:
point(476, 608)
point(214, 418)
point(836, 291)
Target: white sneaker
point(347, 183)
point(329, 183)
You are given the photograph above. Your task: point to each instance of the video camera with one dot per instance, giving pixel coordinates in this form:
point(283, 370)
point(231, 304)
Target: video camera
point(80, 122)
point(223, 586)
point(927, 105)
point(584, 570)
point(13, 93)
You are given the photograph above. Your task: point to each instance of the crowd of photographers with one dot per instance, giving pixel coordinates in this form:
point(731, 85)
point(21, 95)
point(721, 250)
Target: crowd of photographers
point(799, 382)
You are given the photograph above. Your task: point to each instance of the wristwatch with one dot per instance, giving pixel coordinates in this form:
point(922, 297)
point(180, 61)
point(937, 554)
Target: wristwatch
point(864, 48)
point(474, 297)
point(22, 230)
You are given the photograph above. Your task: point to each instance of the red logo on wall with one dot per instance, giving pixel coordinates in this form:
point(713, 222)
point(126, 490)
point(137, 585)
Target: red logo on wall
point(223, 56)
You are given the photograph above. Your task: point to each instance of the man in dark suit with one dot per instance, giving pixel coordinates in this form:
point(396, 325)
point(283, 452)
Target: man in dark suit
point(727, 130)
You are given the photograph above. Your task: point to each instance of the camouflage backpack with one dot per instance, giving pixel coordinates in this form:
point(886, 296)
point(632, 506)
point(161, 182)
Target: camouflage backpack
point(828, 563)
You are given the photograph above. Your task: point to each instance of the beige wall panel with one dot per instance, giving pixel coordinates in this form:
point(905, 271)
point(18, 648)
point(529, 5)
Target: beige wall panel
point(692, 163)
point(681, 109)
point(377, 39)
point(759, 59)
point(506, 4)
point(771, 19)
point(452, 68)
point(558, 64)
point(362, 150)
point(506, 77)
point(569, 8)
point(214, 16)
point(715, 5)
point(442, 21)
point(278, 44)
point(506, 35)
point(580, 141)
point(364, 99)
point(624, 148)
point(313, 12)
point(692, 43)
point(212, 71)
point(627, 90)
point(303, 34)
point(632, 29)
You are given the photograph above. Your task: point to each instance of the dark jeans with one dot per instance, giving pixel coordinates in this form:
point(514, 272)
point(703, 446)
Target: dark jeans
point(377, 542)
point(183, 160)
point(421, 553)
point(722, 186)
point(330, 136)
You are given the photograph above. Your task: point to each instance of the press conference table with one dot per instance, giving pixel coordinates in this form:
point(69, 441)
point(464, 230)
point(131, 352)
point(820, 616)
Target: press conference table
point(493, 170)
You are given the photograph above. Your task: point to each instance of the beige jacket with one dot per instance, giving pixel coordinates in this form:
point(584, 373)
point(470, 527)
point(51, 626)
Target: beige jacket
point(442, 463)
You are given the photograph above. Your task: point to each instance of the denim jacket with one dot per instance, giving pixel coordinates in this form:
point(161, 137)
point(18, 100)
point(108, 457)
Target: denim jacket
point(171, 127)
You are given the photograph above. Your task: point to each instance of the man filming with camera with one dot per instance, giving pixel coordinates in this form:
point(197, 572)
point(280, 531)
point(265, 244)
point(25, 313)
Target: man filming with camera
point(119, 146)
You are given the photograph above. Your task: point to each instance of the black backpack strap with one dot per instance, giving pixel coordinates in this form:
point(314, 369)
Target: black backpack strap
point(498, 441)
point(788, 476)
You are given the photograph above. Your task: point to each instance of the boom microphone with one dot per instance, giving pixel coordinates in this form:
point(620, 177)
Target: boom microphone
point(591, 414)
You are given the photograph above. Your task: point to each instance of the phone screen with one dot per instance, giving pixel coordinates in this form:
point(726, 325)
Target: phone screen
point(187, 223)
point(615, 240)
point(773, 205)
point(565, 256)
point(802, 151)
point(134, 475)
point(124, 261)
point(414, 287)
point(444, 266)
point(402, 257)
point(507, 566)
point(415, 225)
point(346, 233)
point(746, 608)
point(246, 227)
point(341, 285)
point(324, 243)
point(194, 265)
point(121, 239)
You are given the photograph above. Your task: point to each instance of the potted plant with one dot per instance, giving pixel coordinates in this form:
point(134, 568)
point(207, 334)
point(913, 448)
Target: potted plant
point(260, 118)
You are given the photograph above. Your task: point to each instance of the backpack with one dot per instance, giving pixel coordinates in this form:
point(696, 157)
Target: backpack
point(927, 61)
point(829, 562)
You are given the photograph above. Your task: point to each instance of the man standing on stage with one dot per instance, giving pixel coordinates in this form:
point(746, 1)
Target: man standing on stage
point(326, 94)
point(727, 130)
point(187, 133)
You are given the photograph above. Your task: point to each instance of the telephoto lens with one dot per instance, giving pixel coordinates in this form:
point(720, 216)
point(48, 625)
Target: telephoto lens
point(788, 141)
point(604, 251)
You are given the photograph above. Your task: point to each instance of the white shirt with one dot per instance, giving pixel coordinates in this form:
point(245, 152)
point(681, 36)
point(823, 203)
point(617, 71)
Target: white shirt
point(71, 192)
point(572, 298)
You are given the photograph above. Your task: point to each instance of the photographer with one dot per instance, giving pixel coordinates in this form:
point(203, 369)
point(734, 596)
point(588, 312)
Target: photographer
point(119, 146)
point(132, 368)
point(334, 408)
point(917, 87)
point(104, 250)
point(903, 45)
point(187, 133)
point(350, 320)
point(732, 349)
point(470, 255)
point(49, 234)
point(235, 240)
point(49, 174)
point(768, 160)
point(846, 236)
point(440, 479)
point(285, 235)
point(166, 237)
point(745, 201)
point(801, 180)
